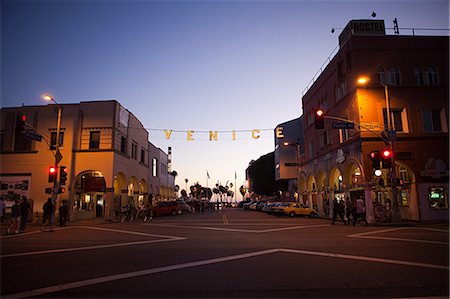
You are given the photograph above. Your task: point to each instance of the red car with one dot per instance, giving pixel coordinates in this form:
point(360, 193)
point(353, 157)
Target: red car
point(167, 208)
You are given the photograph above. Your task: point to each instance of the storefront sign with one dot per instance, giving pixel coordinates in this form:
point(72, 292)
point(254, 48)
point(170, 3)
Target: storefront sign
point(94, 184)
point(435, 168)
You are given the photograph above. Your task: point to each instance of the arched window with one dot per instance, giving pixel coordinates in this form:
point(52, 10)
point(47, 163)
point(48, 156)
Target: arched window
point(432, 76)
point(394, 76)
point(420, 78)
point(382, 75)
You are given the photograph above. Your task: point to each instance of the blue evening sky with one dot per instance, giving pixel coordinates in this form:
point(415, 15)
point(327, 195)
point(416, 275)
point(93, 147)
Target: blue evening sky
point(187, 65)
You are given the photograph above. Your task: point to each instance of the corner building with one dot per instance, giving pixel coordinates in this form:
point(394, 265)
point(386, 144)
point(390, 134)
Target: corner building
point(104, 147)
point(336, 163)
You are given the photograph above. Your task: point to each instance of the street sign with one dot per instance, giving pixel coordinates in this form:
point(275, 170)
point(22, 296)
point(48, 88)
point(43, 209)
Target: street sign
point(33, 135)
point(291, 164)
point(343, 125)
point(391, 135)
point(58, 157)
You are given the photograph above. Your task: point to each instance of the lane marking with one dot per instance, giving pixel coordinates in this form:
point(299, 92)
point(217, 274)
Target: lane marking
point(92, 281)
point(366, 258)
point(109, 278)
point(366, 235)
point(238, 229)
point(224, 219)
point(60, 250)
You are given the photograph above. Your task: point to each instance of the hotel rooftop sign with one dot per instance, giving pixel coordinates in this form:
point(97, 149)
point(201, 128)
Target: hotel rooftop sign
point(362, 27)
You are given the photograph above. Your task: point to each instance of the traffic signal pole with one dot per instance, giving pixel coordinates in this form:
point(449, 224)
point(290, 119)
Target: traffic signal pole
point(392, 173)
point(57, 159)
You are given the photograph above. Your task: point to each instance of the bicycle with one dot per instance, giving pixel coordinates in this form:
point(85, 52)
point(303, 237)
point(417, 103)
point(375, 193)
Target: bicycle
point(126, 214)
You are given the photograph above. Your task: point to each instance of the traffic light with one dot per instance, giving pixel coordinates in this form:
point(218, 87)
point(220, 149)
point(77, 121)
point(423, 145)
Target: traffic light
point(52, 174)
point(62, 175)
point(375, 159)
point(386, 158)
point(319, 115)
point(21, 122)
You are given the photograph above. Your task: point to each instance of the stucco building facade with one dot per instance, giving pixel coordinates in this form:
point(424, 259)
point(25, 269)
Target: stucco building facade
point(337, 165)
point(104, 148)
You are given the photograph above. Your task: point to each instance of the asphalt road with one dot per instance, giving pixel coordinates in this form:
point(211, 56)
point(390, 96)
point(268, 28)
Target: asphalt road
point(231, 253)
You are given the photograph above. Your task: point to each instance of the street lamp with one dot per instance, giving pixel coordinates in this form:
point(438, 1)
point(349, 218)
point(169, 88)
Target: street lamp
point(391, 138)
point(297, 145)
point(57, 154)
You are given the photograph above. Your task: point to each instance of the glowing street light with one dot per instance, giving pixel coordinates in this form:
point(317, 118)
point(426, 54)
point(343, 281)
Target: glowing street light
point(364, 80)
point(57, 154)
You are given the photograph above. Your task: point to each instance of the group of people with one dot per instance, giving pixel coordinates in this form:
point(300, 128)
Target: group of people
point(19, 215)
point(21, 210)
point(48, 215)
point(349, 210)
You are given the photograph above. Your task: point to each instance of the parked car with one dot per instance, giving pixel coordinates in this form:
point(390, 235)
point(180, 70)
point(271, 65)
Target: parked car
point(246, 205)
point(272, 207)
point(167, 208)
point(293, 209)
point(241, 203)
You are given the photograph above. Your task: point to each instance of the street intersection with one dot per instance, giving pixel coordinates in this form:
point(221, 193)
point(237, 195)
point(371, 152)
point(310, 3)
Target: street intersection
point(229, 253)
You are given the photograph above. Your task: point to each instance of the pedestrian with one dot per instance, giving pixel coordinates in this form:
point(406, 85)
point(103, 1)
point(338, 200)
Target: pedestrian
point(63, 213)
point(13, 227)
point(48, 214)
point(2, 209)
point(348, 210)
point(360, 212)
point(25, 210)
point(338, 210)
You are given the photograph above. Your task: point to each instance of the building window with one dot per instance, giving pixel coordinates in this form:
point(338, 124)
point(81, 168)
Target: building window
point(325, 138)
point(432, 76)
point(155, 167)
point(434, 120)
point(143, 157)
point(381, 75)
point(53, 140)
point(94, 140)
point(311, 150)
point(420, 78)
point(437, 198)
point(391, 77)
point(123, 145)
point(343, 135)
point(399, 119)
point(134, 148)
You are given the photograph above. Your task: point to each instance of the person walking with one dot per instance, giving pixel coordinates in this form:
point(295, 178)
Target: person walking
point(63, 212)
point(2, 209)
point(348, 210)
point(337, 210)
point(25, 210)
point(13, 227)
point(360, 212)
point(48, 214)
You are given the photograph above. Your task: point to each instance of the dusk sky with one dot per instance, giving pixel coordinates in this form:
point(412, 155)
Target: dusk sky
point(187, 65)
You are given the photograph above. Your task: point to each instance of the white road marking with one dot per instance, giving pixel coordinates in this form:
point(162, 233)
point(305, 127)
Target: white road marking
point(98, 280)
point(60, 250)
point(366, 235)
point(254, 231)
point(366, 258)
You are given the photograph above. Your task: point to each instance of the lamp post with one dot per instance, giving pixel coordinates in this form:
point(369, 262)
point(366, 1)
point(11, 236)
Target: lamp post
point(297, 163)
point(391, 138)
point(57, 154)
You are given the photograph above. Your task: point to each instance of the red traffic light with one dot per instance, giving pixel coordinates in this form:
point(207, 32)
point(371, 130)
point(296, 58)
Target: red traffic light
point(52, 169)
point(319, 115)
point(23, 117)
point(387, 153)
